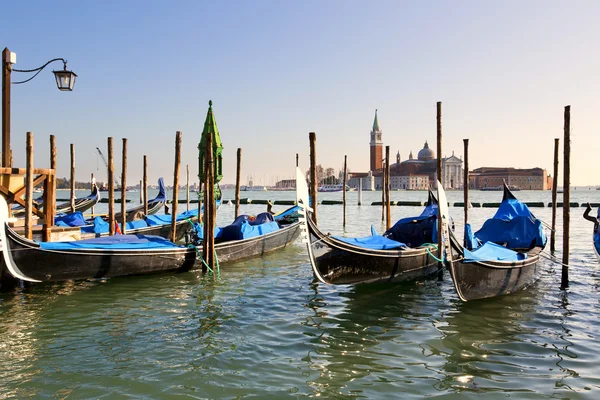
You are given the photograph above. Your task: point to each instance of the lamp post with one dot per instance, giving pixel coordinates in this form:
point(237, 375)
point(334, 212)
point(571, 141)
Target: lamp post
point(65, 80)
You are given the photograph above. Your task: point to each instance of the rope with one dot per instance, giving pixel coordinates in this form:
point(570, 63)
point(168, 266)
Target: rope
point(191, 245)
point(555, 259)
point(435, 247)
point(217, 267)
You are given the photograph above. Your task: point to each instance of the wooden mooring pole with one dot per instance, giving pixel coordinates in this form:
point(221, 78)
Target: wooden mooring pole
point(92, 184)
point(29, 187)
point(388, 211)
point(145, 188)
point(466, 182)
point(124, 188)
point(313, 174)
point(72, 193)
point(296, 159)
point(383, 190)
point(208, 246)
point(564, 282)
point(360, 191)
point(175, 186)
point(554, 191)
point(237, 182)
point(111, 188)
point(187, 186)
point(141, 192)
point(439, 173)
point(52, 205)
point(344, 188)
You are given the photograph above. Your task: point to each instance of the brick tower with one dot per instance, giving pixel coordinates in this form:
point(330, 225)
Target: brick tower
point(376, 146)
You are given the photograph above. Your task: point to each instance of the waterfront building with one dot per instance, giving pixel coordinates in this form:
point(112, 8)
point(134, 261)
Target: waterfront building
point(367, 178)
point(519, 178)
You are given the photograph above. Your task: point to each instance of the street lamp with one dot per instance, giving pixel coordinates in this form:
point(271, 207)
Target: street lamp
point(65, 80)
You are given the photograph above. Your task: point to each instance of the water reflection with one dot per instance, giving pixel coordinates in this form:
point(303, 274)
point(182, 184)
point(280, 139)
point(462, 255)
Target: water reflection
point(358, 334)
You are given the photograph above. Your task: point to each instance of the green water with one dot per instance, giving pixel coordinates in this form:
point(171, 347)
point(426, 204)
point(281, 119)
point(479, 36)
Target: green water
point(264, 330)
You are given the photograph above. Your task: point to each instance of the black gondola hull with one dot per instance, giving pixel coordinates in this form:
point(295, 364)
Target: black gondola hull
point(481, 280)
point(36, 264)
point(336, 262)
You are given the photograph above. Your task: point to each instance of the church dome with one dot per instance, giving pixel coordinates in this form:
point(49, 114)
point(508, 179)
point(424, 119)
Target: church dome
point(426, 153)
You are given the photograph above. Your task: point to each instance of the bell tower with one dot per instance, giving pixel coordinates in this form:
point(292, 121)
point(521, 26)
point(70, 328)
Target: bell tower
point(376, 146)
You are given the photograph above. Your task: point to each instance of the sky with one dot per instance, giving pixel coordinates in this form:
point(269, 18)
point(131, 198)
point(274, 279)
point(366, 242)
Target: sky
point(277, 70)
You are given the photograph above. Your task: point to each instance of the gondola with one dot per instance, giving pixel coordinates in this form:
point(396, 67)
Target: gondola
point(81, 205)
point(154, 205)
point(503, 256)
point(405, 252)
point(121, 255)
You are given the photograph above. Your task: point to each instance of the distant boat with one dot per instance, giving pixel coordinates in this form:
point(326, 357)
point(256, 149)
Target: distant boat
point(332, 188)
point(253, 188)
point(500, 188)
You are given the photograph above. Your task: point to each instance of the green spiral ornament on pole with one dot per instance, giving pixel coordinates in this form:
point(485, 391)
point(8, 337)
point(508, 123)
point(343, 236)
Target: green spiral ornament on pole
point(210, 125)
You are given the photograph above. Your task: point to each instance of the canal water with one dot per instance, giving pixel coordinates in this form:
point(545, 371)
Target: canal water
point(264, 330)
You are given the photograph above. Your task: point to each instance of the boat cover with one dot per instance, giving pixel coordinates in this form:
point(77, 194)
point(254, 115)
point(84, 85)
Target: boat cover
point(245, 227)
point(511, 208)
point(120, 242)
point(597, 241)
point(72, 219)
point(291, 214)
point(372, 242)
point(153, 220)
point(99, 226)
point(492, 252)
point(517, 233)
point(416, 231)
point(471, 242)
point(200, 231)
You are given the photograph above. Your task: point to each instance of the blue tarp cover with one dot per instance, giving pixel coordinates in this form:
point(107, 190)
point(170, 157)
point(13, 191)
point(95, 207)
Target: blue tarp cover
point(597, 241)
point(471, 241)
point(513, 226)
point(99, 226)
point(140, 223)
point(113, 242)
point(292, 212)
point(73, 219)
point(517, 233)
point(372, 242)
point(200, 231)
point(153, 220)
point(407, 232)
point(416, 231)
point(492, 252)
point(512, 208)
point(244, 230)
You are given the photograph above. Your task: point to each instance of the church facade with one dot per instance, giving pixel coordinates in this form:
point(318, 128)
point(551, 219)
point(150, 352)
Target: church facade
point(410, 174)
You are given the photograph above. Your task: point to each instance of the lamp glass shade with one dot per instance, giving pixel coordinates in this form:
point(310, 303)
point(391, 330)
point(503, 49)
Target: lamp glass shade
point(65, 80)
